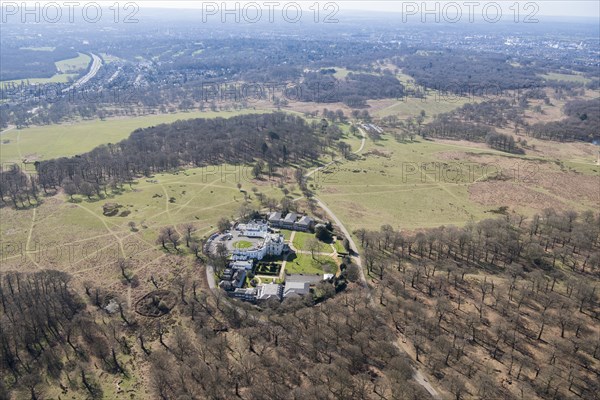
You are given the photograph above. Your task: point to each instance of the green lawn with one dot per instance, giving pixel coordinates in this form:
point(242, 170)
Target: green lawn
point(301, 242)
point(339, 246)
point(286, 233)
point(305, 264)
point(242, 244)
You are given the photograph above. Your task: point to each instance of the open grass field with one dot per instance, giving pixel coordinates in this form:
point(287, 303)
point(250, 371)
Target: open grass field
point(56, 78)
point(109, 58)
point(74, 65)
point(424, 183)
point(43, 48)
point(434, 103)
point(44, 142)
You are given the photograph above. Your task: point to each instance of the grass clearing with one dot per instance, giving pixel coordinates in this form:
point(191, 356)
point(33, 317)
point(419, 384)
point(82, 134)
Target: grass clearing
point(57, 78)
point(554, 76)
point(74, 65)
point(434, 103)
point(109, 58)
point(428, 183)
point(341, 73)
point(43, 48)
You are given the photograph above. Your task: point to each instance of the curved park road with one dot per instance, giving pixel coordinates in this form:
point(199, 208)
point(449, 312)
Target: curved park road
point(418, 376)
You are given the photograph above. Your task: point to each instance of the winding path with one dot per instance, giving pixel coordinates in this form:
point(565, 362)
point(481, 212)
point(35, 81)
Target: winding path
point(418, 376)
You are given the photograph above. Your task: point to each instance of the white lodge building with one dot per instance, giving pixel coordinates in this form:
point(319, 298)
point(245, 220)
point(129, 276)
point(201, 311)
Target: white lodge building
point(271, 245)
point(253, 229)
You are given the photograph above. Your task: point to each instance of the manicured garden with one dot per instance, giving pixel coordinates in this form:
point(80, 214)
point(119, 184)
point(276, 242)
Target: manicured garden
point(301, 240)
point(307, 265)
point(271, 269)
point(242, 244)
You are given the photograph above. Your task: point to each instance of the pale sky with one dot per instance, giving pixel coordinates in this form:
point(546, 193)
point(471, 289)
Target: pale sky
point(556, 8)
point(566, 8)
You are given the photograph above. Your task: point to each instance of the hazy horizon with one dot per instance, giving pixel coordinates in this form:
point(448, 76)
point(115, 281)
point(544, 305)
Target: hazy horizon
point(546, 8)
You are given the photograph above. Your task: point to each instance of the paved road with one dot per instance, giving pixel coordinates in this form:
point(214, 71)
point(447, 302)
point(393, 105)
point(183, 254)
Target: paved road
point(210, 277)
point(210, 270)
point(418, 376)
point(355, 257)
point(96, 64)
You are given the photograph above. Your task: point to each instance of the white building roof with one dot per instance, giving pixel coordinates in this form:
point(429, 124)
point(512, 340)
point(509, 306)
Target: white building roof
point(305, 220)
point(291, 217)
point(242, 264)
point(269, 290)
point(296, 288)
point(274, 216)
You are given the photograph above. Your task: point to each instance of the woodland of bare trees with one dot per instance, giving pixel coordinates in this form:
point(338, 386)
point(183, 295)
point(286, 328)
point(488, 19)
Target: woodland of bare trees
point(583, 119)
point(48, 338)
point(346, 354)
point(17, 188)
point(478, 122)
point(56, 341)
point(503, 308)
